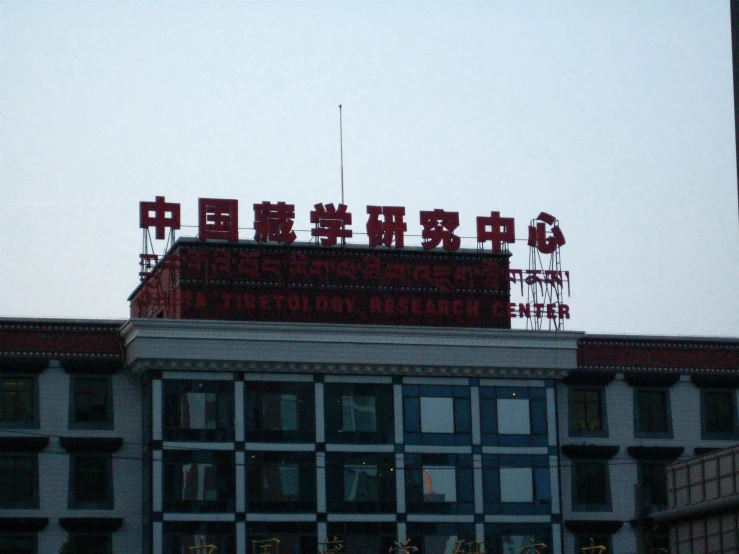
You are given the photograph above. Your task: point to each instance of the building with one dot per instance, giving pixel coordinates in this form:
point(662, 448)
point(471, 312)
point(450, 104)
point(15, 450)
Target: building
point(703, 503)
point(262, 392)
point(70, 438)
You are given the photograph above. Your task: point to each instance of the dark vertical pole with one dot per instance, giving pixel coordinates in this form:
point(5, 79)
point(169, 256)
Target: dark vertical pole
point(734, 9)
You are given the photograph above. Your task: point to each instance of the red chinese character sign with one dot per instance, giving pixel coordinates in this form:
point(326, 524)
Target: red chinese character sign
point(385, 226)
point(162, 216)
point(438, 228)
point(274, 222)
point(218, 219)
point(330, 223)
point(333, 267)
point(545, 265)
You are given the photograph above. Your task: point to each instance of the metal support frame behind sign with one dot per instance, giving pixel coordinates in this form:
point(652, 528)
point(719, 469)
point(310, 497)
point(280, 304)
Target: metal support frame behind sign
point(544, 290)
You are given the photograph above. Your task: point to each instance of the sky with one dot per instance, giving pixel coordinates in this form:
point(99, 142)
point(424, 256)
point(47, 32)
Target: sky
point(616, 117)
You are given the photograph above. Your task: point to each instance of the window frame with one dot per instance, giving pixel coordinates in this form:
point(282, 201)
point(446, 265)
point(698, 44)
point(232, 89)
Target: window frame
point(225, 477)
point(706, 434)
point(305, 500)
point(107, 537)
point(641, 470)
point(34, 421)
point(172, 389)
point(33, 503)
point(74, 503)
point(254, 396)
point(603, 408)
point(415, 484)
point(460, 396)
point(577, 505)
point(667, 407)
point(334, 394)
point(108, 423)
point(384, 480)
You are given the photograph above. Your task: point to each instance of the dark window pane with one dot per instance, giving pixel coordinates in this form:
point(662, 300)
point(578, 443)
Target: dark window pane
point(651, 415)
point(18, 480)
point(654, 483)
point(718, 411)
point(91, 481)
point(587, 410)
point(16, 544)
point(16, 399)
point(91, 400)
point(591, 484)
point(91, 544)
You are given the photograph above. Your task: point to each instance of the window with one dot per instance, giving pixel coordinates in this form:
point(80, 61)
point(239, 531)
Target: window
point(18, 480)
point(281, 481)
point(91, 543)
point(363, 537)
point(590, 487)
point(295, 537)
point(513, 416)
point(359, 413)
point(719, 413)
point(91, 402)
point(198, 410)
point(18, 406)
point(652, 484)
point(441, 538)
point(17, 543)
point(587, 411)
point(362, 483)
point(198, 481)
point(281, 412)
point(516, 485)
point(652, 413)
point(437, 415)
point(91, 482)
point(439, 483)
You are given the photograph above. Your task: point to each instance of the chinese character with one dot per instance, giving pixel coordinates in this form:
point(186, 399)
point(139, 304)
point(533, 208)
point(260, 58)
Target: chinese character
point(160, 220)
point(593, 549)
point(274, 222)
point(330, 222)
point(496, 229)
point(534, 547)
point(438, 227)
point(402, 547)
point(203, 548)
point(538, 235)
point(391, 228)
point(472, 547)
point(218, 219)
point(266, 546)
point(331, 546)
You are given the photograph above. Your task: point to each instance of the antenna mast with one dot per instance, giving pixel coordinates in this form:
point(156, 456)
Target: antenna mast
point(341, 150)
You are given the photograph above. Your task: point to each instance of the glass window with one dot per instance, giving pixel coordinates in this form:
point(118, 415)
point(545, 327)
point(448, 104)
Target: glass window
point(718, 413)
point(513, 416)
point(653, 484)
point(368, 481)
point(590, 490)
point(18, 480)
point(516, 484)
point(198, 481)
point(587, 410)
point(280, 412)
point(91, 402)
point(652, 411)
point(281, 481)
point(198, 410)
point(17, 400)
point(293, 537)
point(358, 413)
point(439, 544)
point(360, 483)
point(437, 415)
point(91, 482)
point(439, 484)
point(17, 543)
point(363, 537)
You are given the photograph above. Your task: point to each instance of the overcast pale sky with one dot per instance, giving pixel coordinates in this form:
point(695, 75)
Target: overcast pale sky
point(616, 117)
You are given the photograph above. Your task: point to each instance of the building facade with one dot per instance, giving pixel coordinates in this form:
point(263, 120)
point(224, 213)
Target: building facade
point(70, 438)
